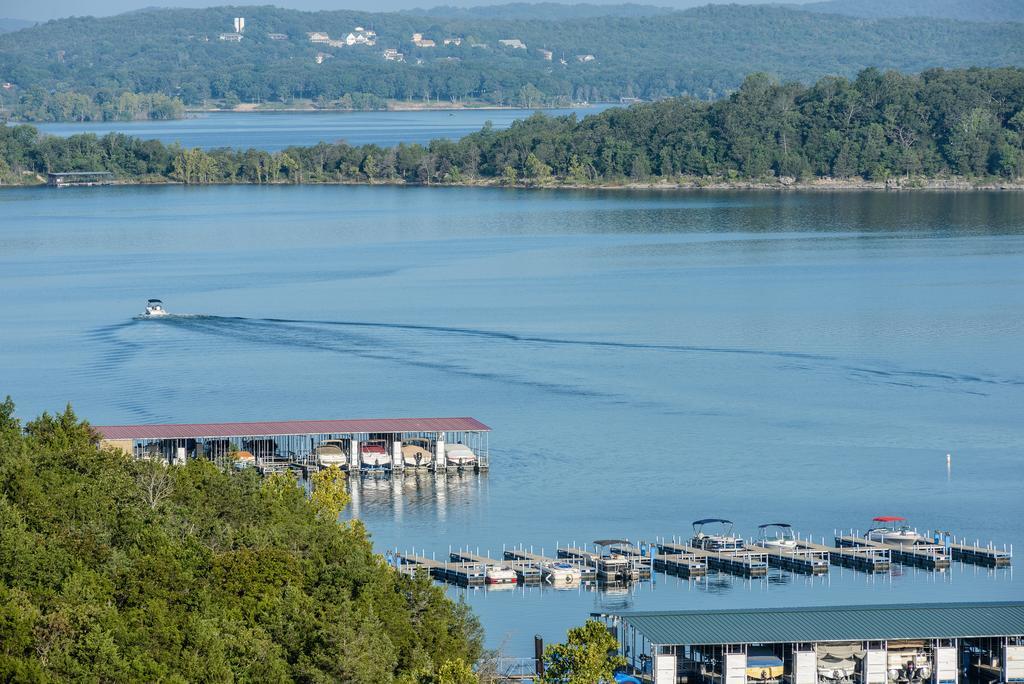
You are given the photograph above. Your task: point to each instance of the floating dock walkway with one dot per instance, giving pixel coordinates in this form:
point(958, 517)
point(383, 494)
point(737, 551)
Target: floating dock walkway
point(806, 561)
point(625, 569)
point(981, 555)
point(527, 572)
point(682, 564)
point(865, 559)
point(928, 556)
point(463, 574)
point(743, 563)
point(588, 573)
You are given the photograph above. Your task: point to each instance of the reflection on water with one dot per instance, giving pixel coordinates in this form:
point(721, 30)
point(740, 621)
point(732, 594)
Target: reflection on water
point(415, 493)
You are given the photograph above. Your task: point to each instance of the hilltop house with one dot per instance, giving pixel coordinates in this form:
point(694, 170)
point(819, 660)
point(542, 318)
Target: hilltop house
point(453, 41)
point(419, 41)
point(317, 37)
point(514, 43)
point(321, 56)
point(231, 37)
point(393, 55)
point(585, 58)
point(277, 36)
point(546, 54)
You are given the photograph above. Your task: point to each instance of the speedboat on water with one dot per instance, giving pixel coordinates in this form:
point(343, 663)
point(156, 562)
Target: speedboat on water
point(722, 541)
point(560, 574)
point(777, 536)
point(892, 529)
point(154, 307)
point(499, 574)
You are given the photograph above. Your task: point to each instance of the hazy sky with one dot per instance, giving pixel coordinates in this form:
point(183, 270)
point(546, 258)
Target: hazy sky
point(41, 10)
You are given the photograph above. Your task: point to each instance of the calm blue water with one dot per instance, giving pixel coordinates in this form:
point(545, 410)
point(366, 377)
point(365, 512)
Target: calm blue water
point(644, 359)
point(278, 130)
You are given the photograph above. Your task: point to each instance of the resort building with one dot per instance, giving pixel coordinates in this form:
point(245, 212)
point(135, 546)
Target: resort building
point(514, 43)
point(317, 37)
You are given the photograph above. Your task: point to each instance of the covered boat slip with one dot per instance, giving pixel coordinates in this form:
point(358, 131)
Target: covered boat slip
point(928, 643)
point(373, 444)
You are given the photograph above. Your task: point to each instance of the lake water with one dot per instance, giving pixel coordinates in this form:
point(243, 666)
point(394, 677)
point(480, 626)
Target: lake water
point(278, 130)
point(644, 359)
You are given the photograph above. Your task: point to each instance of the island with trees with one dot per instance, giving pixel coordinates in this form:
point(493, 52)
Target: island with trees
point(881, 127)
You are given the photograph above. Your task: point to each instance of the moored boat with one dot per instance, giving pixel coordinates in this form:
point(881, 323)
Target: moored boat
point(778, 536)
point(893, 529)
point(763, 665)
point(500, 574)
point(417, 452)
point(374, 455)
point(332, 452)
point(560, 574)
point(459, 456)
point(721, 541)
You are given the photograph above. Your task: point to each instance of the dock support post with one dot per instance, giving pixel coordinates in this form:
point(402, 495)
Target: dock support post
point(357, 462)
point(397, 462)
point(439, 454)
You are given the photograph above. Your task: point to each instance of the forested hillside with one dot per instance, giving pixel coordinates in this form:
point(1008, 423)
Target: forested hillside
point(704, 52)
point(118, 570)
point(880, 126)
point(964, 10)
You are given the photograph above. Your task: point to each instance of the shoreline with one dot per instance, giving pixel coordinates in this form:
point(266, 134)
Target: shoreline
point(682, 185)
point(392, 106)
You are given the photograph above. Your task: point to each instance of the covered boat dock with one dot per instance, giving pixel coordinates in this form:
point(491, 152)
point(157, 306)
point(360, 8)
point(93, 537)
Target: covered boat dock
point(927, 643)
point(371, 444)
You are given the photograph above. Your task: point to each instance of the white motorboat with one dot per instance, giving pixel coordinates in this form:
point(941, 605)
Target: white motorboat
point(500, 574)
point(459, 456)
point(374, 455)
point(778, 536)
point(892, 529)
point(154, 307)
point(332, 452)
point(560, 574)
point(417, 452)
point(722, 541)
point(837, 662)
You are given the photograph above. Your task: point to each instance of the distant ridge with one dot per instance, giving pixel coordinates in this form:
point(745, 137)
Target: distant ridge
point(548, 10)
point(964, 10)
point(8, 25)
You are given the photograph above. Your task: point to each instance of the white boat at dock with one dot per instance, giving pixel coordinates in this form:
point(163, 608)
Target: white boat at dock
point(500, 574)
point(374, 455)
point(778, 536)
point(893, 529)
point(418, 452)
point(459, 455)
point(561, 574)
point(718, 542)
point(333, 452)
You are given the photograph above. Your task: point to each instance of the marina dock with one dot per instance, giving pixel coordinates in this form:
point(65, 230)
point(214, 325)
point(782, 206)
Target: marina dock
point(866, 559)
point(463, 574)
point(981, 555)
point(928, 556)
point(588, 573)
point(807, 561)
point(609, 569)
point(682, 564)
point(528, 572)
point(743, 563)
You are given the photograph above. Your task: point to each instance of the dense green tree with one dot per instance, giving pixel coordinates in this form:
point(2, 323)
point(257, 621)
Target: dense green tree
point(119, 570)
point(588, 656)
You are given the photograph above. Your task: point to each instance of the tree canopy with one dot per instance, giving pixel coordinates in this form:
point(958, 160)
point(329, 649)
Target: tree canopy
point(84, 68)
point(967, 123)
point(588, 656)
point(120, 570)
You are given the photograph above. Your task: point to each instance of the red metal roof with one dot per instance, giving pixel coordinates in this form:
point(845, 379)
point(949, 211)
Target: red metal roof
point(290, 427)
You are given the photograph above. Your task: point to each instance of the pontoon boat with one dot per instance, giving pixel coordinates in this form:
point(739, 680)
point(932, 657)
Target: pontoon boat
point(154, 307)
point(723, 541)
point(777, 536)
point(908, 661)
point(893, 530)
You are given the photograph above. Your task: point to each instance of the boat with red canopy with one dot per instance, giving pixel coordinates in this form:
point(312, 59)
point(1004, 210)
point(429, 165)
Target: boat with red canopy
point(893, 529)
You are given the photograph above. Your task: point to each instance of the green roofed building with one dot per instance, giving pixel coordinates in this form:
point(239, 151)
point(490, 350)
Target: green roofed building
point(925, 643)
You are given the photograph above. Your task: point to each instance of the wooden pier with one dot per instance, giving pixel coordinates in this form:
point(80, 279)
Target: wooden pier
point(527, 572)
point(927, 555)
point(866, 559)
point(807, 561)
point(588, 573)
point(463, 574)
point(743, 563)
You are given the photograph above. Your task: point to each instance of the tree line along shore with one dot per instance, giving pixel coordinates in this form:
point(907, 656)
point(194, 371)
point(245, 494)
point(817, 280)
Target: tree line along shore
point(938, 128)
